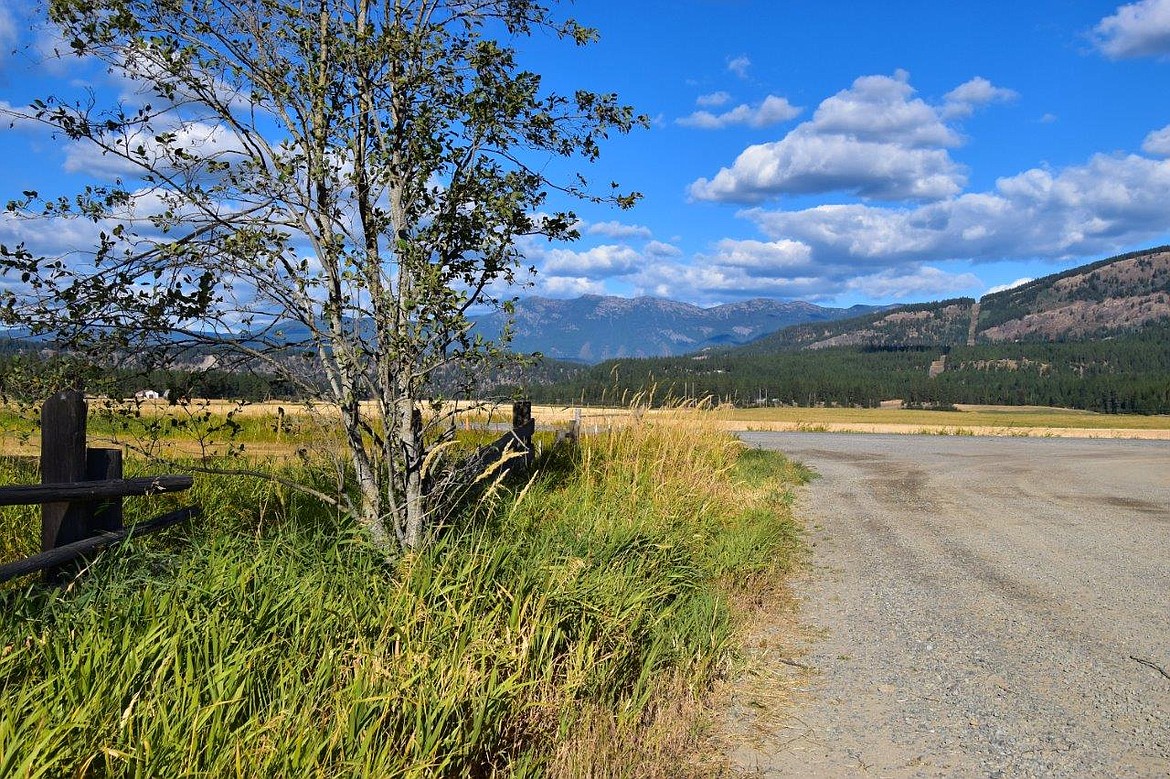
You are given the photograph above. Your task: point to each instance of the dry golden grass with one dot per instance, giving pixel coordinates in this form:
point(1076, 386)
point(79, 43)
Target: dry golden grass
point(278, 429)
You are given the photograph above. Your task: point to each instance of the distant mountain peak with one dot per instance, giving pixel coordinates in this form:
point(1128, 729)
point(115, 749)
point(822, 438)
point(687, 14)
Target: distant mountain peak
point(594, 328)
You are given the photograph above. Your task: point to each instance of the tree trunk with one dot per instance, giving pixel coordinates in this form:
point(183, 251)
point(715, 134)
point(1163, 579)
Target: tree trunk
point(411, 434)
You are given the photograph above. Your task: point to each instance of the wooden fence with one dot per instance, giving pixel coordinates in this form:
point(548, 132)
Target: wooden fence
point(518, 440)
point(81, 493)
point(82, 488)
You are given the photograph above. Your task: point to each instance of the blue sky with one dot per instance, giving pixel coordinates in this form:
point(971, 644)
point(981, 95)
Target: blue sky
point(837, 152)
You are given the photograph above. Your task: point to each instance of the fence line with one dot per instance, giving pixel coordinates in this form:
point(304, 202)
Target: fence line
point(82, 488)
point(81, 493)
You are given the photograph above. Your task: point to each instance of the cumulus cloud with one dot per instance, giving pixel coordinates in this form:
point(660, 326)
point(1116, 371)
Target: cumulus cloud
point(739, 65)
point(1009, 285)
point(79, 236)
point(711, 282)
point(883, 109)
point(618, 230)
point(713, 100)
point(763, 258)
point(1158, 142)
point(1109, 202)
point(806, 163)
point(772, 110)
point(913, 283)
point(660, 249)
point(1139, 29)
point(199, 138)
point(715, 283)
point(597, 263)
point(875, 140)
point(965, 98)
point(568, 286)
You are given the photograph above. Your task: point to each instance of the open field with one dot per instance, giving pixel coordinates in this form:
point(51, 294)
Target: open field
point(1030, 421)
point(280, 429)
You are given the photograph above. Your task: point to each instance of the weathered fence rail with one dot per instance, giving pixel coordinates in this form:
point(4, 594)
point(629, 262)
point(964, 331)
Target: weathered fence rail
point(82, 488)
point(81, 493)
point(518, 440)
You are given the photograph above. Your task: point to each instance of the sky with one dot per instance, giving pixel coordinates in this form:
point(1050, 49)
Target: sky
point(820, 150)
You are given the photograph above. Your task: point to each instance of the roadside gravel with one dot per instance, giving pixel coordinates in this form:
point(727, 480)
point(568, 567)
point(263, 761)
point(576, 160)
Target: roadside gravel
point(975, 609)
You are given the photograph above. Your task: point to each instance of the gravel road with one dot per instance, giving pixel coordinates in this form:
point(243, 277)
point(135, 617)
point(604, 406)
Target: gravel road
point(975, 609)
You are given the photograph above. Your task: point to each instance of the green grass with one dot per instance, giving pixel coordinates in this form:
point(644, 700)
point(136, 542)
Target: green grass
point(550, 631)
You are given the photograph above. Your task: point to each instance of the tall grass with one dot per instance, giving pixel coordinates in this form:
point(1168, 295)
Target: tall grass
point(564, 627)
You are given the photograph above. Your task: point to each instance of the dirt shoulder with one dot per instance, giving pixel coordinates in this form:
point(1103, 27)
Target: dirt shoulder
point(976, 607)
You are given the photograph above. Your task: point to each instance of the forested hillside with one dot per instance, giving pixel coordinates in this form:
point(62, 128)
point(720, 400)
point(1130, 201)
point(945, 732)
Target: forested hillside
point(1095, 337)
point(1129, 374)
point(1117, 294)
point(920, 324)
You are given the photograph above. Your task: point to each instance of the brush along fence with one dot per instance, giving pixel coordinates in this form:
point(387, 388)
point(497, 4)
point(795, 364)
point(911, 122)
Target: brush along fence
point(81, 493)
point(82, 488)
point(517, 441)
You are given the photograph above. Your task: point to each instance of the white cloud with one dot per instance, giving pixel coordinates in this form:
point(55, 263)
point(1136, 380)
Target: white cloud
point(772, 110)
point(18, 118)
point(739, 65)
point(965, 98)
point(618, 230)
point(568, 286)
point(9, 33)
point(874, 140)
point(1105, 204)
point(763, 258)
point(711, 282)
point(806, 162)
point(915, 283)
point(1009, 285)
point(1158, 142)
point(714, 283)
point(201, 139)
point(597, 263)
point(1139, 29)
point(713, 100)
point(883, 109)
point(660, 249)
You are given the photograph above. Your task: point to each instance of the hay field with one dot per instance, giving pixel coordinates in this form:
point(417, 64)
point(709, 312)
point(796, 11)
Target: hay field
point(281, 429)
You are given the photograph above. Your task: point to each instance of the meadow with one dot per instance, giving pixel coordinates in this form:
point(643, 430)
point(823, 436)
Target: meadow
point(964, 419)
point(569, 623)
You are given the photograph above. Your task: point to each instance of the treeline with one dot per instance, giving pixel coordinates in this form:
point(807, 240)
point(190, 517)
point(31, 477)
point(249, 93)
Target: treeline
point(27, 376)
point(1129, 374)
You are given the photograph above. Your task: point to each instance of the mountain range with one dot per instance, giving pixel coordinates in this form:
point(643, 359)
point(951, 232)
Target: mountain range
point(1094, 337)
point(594, 328)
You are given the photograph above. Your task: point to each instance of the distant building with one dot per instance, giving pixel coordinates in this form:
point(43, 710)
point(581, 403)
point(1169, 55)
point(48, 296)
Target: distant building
point(146, 394)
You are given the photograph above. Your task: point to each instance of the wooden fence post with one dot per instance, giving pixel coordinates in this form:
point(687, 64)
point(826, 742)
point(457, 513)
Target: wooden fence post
point(521, 420)
point(63, 460)
point(104, 465)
